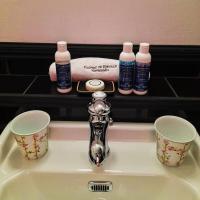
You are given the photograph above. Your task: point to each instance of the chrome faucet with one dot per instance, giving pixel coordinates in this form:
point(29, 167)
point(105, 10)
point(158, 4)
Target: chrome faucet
point(99, 120)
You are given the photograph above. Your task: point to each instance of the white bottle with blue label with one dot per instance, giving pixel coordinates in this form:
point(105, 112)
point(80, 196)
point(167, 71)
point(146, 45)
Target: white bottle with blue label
point(63, 68)
point(142, 70)
point(126, 69)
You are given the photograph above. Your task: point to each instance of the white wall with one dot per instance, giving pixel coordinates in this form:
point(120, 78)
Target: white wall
point(100, 21)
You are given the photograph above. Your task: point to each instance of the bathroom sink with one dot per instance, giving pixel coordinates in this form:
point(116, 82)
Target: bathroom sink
point(51, 186)
point(131, 171)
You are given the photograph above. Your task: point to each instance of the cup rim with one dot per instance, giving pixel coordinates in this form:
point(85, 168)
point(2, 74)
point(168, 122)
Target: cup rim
point(25, 113)
point(180, 119)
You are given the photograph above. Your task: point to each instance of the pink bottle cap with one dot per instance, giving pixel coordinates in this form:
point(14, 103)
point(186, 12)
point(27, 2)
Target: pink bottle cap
point(144, 48)
point(62, 46)
point(127, 47)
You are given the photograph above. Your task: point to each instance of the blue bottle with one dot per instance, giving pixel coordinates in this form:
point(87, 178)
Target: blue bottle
point(126, 69)
point(63, 68)
point(142, 70)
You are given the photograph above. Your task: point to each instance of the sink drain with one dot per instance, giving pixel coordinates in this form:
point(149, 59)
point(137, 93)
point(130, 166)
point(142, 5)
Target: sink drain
point(100, 186)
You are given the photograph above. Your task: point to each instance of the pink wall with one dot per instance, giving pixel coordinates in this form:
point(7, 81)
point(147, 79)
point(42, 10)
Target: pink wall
point(101, 21)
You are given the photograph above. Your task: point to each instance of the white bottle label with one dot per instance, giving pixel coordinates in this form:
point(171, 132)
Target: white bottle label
point(142, 76)
point(63, 76)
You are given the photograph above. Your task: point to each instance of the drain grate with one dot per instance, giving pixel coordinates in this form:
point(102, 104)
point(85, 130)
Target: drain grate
point(100, 186)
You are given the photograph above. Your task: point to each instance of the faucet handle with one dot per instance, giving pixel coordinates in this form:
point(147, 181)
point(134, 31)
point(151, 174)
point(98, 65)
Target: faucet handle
point(99, 105)
point(99, 95)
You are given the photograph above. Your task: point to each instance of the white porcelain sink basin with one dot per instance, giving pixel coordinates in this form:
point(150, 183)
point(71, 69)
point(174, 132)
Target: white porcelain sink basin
point(53, 186)
point(65, 171)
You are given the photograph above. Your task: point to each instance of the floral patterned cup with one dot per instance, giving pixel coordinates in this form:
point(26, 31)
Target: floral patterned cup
point(174, 136)
point(30, 130)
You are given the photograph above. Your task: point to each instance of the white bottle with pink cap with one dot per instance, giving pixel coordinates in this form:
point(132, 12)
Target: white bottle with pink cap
point(126, 69)
point(142, 70)
point(63, 68)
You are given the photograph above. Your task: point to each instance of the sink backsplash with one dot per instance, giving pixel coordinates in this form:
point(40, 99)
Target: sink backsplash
point(35, 58)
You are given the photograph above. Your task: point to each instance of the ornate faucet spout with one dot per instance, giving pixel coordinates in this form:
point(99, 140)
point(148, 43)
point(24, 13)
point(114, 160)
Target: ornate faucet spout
point(99, 110)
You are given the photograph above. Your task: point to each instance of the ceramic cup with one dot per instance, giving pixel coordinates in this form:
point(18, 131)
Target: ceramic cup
point(174, 136)
point(30, 130)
